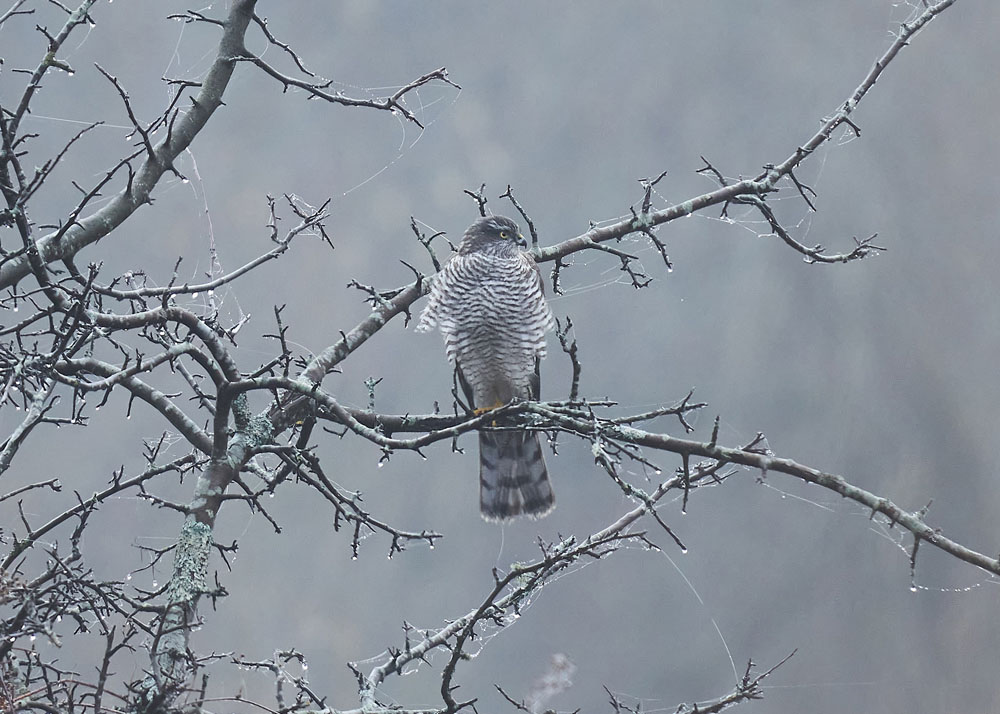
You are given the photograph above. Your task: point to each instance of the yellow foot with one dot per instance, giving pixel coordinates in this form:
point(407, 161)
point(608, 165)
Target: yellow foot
point(483, 410)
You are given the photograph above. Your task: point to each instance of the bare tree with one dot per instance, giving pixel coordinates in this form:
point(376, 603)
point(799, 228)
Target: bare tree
point(77, 335)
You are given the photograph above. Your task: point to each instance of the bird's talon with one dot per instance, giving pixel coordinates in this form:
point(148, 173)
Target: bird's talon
point(482, 410)
point(513, 479)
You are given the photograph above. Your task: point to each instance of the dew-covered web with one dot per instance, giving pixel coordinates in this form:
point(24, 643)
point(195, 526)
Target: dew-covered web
point(797, 217)
point(787, 201)
point(881, 527)
point(426, 103)
point(608, 270)
point(486, 630)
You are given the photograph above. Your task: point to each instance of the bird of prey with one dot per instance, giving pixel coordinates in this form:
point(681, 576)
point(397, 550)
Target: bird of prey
point(489, 304)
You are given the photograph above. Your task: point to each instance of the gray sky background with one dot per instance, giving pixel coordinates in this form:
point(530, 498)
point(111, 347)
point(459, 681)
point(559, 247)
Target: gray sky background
point(883, 371)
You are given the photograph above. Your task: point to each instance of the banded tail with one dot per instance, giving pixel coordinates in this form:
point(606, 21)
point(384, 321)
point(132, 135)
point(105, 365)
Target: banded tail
point(513, 480)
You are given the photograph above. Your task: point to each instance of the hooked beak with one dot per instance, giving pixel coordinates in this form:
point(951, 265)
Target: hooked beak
point(521, 241)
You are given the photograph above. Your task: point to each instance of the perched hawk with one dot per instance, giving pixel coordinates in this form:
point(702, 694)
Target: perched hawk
point(489, 303)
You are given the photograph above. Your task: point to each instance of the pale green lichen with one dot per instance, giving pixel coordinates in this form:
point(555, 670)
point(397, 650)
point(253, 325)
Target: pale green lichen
point(643, 220)
point(630, 434)
point(256, 429)
point(190, 562)
point(686, 208)
point(260, 430)
point(241, 409)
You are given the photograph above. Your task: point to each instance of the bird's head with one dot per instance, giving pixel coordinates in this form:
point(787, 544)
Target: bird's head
point(496, 234)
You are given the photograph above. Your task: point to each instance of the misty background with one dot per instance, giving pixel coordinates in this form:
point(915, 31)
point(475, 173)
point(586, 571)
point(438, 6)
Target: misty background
point(882, 371)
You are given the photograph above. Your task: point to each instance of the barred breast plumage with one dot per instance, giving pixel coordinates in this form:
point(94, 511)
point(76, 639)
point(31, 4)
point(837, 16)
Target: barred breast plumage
point(489, 304)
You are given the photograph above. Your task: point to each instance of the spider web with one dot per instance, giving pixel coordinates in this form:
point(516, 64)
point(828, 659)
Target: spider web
point(429, 109)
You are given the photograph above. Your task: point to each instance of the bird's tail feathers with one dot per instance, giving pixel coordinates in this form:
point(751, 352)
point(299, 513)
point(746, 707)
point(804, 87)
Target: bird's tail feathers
point(513, 479)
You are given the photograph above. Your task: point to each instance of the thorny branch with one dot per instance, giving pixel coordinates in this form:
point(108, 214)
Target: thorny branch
point(748, 190)
point(572, 420)
point(83, 341)
point(754, 190)
point(179, 128)
point(150, 333)
point(749, 687)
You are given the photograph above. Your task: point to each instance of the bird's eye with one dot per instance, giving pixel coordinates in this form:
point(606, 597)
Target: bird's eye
point(504, 234)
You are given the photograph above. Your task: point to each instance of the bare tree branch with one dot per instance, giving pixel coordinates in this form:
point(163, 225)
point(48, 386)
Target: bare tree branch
point(188, 125)
point(84, 340)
